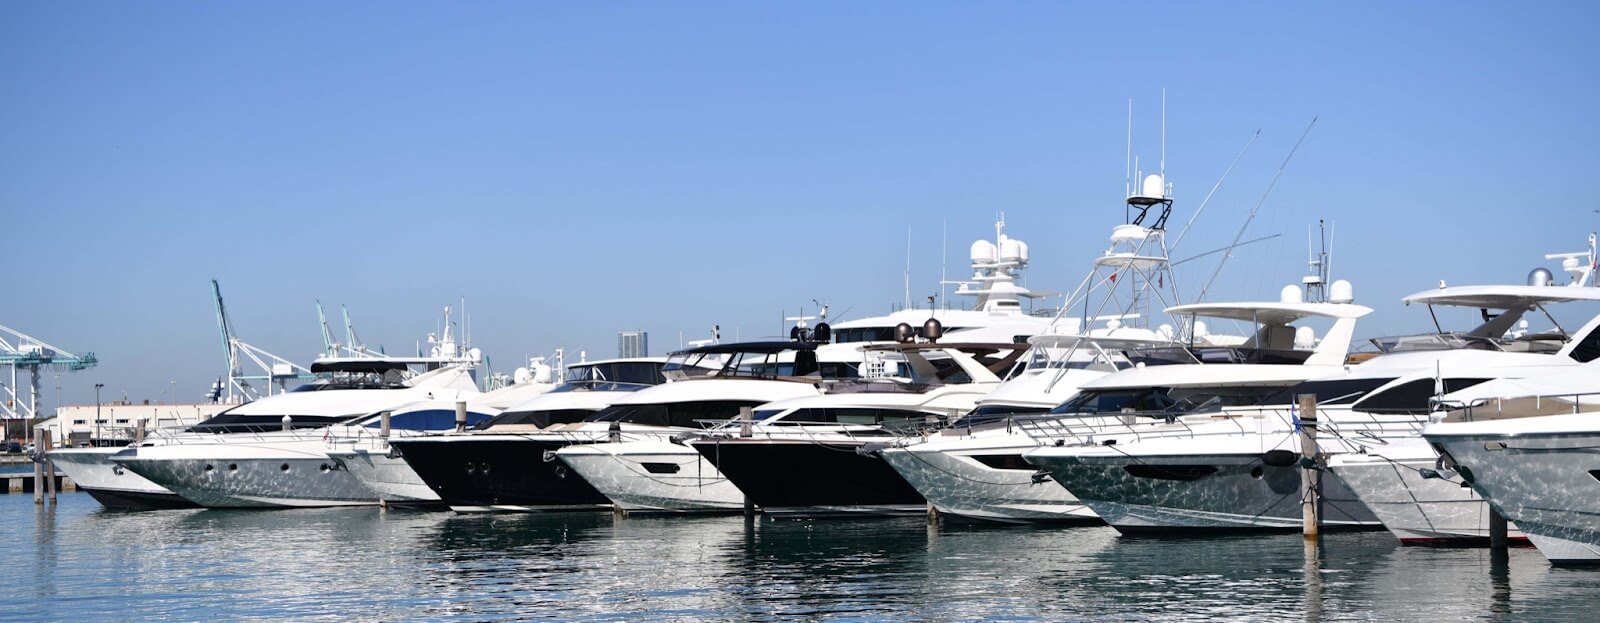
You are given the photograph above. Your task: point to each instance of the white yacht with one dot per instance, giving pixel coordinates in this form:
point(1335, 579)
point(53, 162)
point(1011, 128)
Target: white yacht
point(238, 460)
point(668, 474)
point(1530, 451)
point(350, 386)
point(1396, 477)
point(1127, 449)
point(1240, 472)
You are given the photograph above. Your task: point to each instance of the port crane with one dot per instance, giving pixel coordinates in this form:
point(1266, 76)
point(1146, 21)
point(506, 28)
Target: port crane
point(240, 387)
point(24, 353)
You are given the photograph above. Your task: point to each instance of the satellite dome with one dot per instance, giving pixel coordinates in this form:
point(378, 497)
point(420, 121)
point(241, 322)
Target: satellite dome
point(1153, 186)
point(1541, 277)
point(984, 252)
point(1342, 292)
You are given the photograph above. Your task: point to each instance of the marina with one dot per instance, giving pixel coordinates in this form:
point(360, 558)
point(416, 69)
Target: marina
point(828, 312)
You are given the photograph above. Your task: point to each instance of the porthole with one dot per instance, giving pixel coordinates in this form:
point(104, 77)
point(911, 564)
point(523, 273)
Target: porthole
point(1256, 472)
point(284, 467)
point(483, 468)
point(209, 467)
point(326, 468)
point(233, 467)
point(470, 468)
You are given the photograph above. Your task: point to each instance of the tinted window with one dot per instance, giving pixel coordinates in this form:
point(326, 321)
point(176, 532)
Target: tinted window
point(1410, 397)
point(684, 414)
point(995, 413)
point(429, 419)
point(539, 418)
point(1336, 392)
point(1114, 401)
point(1588, 349)
point(863, 416)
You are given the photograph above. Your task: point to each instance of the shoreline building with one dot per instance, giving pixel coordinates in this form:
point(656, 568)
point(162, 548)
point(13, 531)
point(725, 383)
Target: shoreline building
point(633, 344)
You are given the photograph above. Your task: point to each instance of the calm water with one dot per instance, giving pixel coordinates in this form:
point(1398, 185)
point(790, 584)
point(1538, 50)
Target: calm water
point(80, 562)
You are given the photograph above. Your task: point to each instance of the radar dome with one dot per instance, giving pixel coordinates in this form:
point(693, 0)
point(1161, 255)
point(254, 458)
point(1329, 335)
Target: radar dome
point(1342, 292)
point(1010, 250)
point(1305, 338)
point(476, 355)
point(1164, 331)
point(543, 373)
point(520, 376)
point(1541, 277)
point(1200, 329)
point(1153, 187)
point(983, 252)
point(1290, 294)
point(1024, 247)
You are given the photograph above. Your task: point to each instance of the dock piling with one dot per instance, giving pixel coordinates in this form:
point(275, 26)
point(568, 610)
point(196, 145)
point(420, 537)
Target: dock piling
point(1310, 472)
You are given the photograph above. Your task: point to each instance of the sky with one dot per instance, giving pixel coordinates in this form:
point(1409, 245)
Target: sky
point(572, 170)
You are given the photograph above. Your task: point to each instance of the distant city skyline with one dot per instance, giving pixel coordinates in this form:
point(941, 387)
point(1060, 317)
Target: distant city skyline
point(571, 170)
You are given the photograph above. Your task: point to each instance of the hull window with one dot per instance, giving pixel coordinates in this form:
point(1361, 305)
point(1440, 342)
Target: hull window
point(1170, 472)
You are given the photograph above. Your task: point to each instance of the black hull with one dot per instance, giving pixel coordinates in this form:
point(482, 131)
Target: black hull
point(138, 500)
point(803, 474)
point(503, 473)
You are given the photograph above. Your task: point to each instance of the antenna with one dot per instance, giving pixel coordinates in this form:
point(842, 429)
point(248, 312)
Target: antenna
point(1163, 135)
point(1257, 208)
point(1127, 175)
point(908, 267)
point(944, 257)
point(1327, 256)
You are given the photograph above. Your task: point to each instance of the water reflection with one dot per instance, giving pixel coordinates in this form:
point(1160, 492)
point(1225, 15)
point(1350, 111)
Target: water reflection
point(77, 561)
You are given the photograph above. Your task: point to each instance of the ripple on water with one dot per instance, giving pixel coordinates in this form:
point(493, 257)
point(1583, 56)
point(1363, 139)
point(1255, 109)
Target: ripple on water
point(85, 563)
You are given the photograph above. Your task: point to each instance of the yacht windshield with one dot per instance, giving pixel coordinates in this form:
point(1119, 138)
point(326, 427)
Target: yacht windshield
point(1163, 402)
point(679, 414)
point(541, 418)
point(995, 413)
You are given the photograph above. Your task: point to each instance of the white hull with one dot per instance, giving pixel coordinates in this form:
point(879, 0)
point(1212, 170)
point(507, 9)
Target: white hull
point(92, 471)
point(1418, 510)
point(957, 484)
point(385, 474)
point(264, 471)
point(653, 476)
point(1198, 492)
point(1543, 478)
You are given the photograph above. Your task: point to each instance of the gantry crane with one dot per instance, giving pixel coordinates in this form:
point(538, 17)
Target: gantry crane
point(24, 353)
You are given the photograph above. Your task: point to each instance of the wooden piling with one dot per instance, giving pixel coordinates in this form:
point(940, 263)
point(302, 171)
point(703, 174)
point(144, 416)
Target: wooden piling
point(383, 424)
point(138, 431)
point(38, 471)
point(49, 466)
point(461, 416)
point(1310, 472)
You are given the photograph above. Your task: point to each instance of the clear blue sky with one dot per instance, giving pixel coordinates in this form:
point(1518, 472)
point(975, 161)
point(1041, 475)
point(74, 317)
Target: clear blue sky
point(575, 169)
